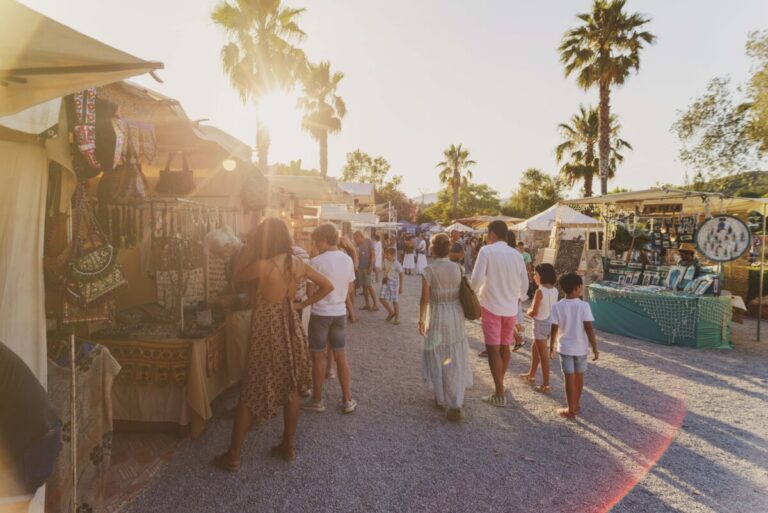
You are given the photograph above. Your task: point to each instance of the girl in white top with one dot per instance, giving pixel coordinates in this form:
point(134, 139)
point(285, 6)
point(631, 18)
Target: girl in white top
point(541, 311)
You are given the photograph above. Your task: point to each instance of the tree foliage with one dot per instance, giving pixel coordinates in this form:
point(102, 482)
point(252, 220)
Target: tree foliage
point(725, 130)
point(323, 108)
point(577, 151)
point(474, 199)
point(455, 172)
point(361, 167)
point(603, 51)
point(537, 192)
point(293, 168)
point(261, 54)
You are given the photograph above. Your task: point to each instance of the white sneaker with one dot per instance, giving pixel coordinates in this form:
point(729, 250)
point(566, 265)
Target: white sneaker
point(349, 406)
point(313, 406)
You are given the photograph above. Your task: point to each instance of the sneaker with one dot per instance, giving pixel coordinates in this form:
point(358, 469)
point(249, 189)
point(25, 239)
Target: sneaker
point(306, 394)
point(455, 414)
point(313, 406)
point(330, 374)
point(495, 400)
point(349, 406)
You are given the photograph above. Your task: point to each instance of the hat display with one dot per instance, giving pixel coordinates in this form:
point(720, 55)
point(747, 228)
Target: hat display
point(687, 246)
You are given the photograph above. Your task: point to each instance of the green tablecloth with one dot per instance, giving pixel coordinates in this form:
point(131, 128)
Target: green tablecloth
point(662, 316)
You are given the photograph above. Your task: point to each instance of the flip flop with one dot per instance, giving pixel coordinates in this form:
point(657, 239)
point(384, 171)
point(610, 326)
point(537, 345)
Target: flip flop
point(565, 413)
point(223, 463)
point(390, 317)
point(527, 378)
point(544, 389)
point(396, 322)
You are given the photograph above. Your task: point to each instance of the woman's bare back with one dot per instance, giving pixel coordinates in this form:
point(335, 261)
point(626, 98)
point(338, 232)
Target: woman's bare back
point(276, 282)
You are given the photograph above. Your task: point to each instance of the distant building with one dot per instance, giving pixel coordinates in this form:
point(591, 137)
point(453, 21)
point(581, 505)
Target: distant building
point(362, 193)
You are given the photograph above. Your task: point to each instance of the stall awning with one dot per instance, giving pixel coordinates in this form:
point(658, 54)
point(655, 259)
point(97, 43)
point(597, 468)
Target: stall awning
point(564, 215)
point(41, 59)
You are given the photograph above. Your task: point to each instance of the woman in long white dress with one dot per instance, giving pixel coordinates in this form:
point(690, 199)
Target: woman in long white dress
point(445, 363)
point(409, 261)
point(421, 256)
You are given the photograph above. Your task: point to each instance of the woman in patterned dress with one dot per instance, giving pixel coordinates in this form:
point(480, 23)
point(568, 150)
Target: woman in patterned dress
point(278, 365)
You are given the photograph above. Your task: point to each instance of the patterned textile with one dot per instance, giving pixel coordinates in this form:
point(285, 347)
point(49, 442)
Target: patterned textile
point(278, 359)
point(85, 126)
point(95, 373)
point(161, 363)
point(389, 291)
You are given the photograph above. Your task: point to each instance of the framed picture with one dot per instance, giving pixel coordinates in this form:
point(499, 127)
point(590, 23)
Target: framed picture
point(704, 282)
point(655, 279)
point(636, 278)
point(674, 277)
point(622, 279)
point(647, 279)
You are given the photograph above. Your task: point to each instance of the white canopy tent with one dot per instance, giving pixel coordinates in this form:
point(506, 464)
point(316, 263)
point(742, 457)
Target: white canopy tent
point(41, 59)
point(560, 214)
point(458, 227)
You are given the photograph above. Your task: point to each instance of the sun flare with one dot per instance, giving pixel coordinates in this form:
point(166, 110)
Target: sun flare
point(277, 112)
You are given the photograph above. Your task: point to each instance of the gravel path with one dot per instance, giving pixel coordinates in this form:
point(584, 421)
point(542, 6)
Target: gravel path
point(696, 418)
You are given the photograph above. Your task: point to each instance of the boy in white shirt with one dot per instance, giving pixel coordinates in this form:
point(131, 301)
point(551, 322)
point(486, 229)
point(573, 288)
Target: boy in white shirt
point(572, 331)
point(328, 322)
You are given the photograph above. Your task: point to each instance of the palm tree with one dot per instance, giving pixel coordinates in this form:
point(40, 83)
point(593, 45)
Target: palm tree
point(579, 140)
point(455, 172)
point(603, 51)
point(323, 109)
point(260, 56)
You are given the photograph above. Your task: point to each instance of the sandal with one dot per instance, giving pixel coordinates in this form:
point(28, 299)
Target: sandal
point(390, 317)
point(281, 451)
point(566, 413)
point(544, 389)
point(222, 462)
point(396, 322)
point(527, 378)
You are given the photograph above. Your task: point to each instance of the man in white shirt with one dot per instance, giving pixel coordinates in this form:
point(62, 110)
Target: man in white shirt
point(501, 281)
point(328, 322)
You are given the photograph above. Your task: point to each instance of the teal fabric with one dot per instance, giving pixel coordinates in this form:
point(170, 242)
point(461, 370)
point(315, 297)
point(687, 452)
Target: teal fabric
point(664, 317)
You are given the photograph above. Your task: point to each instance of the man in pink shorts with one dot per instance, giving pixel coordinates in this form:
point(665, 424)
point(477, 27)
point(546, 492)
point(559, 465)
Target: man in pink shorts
point(501, 281)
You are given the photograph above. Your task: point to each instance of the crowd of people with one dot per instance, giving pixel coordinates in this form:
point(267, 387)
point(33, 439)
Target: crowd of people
point(289, 359)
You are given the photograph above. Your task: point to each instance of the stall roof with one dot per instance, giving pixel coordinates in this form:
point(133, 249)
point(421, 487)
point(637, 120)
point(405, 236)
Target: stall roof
point(459, 228)
point(563, 215)
point(691, 201)
point(41, 59)
point(310, 188)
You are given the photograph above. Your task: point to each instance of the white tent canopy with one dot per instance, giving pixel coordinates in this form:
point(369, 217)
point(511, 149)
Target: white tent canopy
point(41, 59)
point(459, 228)
point(564, 215)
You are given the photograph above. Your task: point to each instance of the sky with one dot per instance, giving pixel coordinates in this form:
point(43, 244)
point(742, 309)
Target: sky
point(421, 75)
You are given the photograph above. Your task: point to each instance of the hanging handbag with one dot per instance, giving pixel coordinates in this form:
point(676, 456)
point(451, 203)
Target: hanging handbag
point(82, 110)
point(125, 185)
point(102, 309)
point(176, 182)
point(469, 302)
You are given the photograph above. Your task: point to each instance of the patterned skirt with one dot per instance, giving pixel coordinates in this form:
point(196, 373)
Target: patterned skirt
point(278, 359)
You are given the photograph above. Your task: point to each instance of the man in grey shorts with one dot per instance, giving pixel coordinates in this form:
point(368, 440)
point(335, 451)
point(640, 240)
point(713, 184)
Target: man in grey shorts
point(366, 256)
point(328, 321)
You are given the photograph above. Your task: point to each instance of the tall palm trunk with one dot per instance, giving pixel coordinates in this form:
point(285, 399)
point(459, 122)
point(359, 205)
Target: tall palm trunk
point(589, 176)
point(605, 134)
point(323, 140)
point(262, 147)
point(456, 184)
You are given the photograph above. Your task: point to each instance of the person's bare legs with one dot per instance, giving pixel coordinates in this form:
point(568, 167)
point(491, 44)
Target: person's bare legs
point(329, 368)
point(344, 378)
point(239, 430)
point(505, 357)
point(388, 308)
point(543, 351)
point(496, 364)
point(374, 305)
point(318, 375)
point(286, 448)
point(570, 396)
point(579, 386)
point(351, 308)
point(397, 311)
point(535, 357)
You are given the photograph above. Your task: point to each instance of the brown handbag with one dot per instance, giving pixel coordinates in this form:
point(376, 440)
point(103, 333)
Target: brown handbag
point(176, 182)
point(469, 302)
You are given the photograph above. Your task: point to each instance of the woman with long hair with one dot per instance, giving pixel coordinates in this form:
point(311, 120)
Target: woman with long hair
point(445, 364)
point(278, 365)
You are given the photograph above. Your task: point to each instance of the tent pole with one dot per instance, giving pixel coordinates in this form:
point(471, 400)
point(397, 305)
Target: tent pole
point(73, 419)
point(762, 271)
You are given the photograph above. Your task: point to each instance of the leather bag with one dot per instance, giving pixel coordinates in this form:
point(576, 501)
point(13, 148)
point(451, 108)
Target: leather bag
point(176, 182)
point(469, 302)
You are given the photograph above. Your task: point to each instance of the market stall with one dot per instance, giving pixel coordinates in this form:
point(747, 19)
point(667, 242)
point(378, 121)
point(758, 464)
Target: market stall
point(664, 282)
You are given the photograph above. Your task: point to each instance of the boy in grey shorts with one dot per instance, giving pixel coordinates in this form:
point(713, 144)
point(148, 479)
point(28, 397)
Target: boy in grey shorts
point(328, 321)
point(572, 331)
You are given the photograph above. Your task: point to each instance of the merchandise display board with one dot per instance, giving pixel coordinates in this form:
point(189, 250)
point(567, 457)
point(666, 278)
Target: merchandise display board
point(659, 315)
point(723, 238)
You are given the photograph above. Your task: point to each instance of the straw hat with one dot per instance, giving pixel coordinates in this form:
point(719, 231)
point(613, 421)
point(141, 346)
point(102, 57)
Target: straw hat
point(687, 246)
